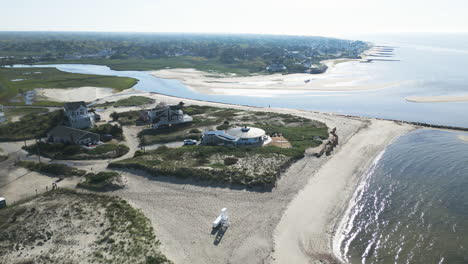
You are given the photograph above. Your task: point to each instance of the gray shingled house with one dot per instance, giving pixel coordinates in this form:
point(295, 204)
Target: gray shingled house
point(68, 135)
point(78, 115)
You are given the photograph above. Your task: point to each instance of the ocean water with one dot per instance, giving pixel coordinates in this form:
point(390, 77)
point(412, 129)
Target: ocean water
point(412, 206)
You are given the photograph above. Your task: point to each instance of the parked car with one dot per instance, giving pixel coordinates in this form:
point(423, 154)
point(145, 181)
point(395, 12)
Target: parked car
point(190, 142)
point(106, 137)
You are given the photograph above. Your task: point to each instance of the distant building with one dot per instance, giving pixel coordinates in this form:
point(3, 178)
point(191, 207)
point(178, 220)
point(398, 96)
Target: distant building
point(237, 137)
point(295, 55)
point(78, 115)
point(2, 202)
point(2, 115)
point(166, 116)
point(68, 135)
point(276, 67)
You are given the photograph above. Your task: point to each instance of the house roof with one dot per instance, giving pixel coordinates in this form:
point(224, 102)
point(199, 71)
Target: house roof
point(62, 131)
point(243, 132)
point(222, 134)
point(71, 106)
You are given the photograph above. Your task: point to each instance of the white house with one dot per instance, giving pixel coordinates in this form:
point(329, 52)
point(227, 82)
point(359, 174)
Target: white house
point(238, 137)
point(166, 116)
point(276, 67)
point(78, 115)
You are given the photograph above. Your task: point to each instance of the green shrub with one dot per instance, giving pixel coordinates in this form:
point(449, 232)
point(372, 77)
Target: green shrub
point(230, 161)
point(76, 152)
point(195, 131)
point(138, 153)
point(223, 127)
point(100, 181)
point(54, 169)
point(115, 116)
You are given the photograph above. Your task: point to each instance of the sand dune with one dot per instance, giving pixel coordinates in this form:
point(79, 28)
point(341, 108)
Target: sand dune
point(438, 99)
point(86, 93)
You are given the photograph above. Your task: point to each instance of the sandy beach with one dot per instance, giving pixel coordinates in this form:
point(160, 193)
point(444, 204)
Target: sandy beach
point(294, 223)
point(463, 137)
point(212, 83)
point(437, 99)
point(85, 93)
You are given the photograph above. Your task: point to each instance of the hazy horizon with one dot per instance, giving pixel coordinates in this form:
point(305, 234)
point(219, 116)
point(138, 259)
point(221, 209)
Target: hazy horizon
point(294, 17)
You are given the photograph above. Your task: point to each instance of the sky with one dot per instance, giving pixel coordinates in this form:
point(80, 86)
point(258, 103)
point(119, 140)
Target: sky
point(290, 17)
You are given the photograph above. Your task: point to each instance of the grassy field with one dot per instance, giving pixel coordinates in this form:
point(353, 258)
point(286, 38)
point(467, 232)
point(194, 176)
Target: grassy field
point(199, 63)
point(22, 111)
point(57, 222)
point(14, 81)
point(247, 166)
point(130, 101)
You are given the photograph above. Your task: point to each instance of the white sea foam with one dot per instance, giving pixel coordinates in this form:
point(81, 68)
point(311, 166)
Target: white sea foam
point(347, 222)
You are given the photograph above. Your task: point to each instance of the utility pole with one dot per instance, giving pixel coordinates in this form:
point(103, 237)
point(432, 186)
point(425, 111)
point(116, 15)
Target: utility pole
point(38, 152)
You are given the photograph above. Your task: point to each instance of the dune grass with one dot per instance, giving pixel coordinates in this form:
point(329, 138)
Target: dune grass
point(130, 101)
point(59, 170)
point(30, 126)
point(116, 232)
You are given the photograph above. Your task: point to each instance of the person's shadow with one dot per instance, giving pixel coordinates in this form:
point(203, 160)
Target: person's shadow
point(219, 233)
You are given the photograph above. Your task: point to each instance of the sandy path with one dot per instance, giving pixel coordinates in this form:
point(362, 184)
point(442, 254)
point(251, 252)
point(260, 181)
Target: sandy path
point(437, 99)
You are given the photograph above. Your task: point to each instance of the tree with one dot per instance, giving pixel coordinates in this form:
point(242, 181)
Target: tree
point(114, 116)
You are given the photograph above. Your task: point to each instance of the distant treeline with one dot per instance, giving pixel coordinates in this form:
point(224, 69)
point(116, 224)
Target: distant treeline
point(255, 52)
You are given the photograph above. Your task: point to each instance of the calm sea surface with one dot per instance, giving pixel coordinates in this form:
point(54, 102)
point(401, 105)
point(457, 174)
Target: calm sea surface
point(412, 206)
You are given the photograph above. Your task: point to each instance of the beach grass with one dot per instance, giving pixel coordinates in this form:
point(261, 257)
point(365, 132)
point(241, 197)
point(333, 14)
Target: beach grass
point(115, 231)
point(127, 102)
point(30, 126)
point(101, 181)
point(22, 111)
point(76, 152)
point(17, 81)
point(59, 170)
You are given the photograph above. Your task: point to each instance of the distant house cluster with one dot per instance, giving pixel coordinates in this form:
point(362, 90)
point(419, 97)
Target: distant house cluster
point(276, 67)
point(77, 118)
point(236, 137)
point(164, 116)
